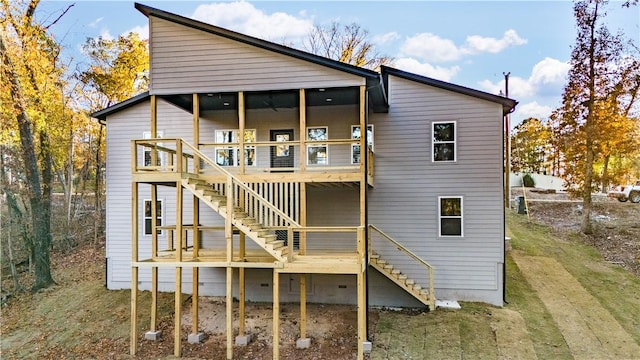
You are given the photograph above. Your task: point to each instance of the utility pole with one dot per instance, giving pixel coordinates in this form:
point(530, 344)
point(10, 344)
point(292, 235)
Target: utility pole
point(507, 147)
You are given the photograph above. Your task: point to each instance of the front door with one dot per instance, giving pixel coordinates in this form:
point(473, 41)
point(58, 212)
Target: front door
point(282, 155)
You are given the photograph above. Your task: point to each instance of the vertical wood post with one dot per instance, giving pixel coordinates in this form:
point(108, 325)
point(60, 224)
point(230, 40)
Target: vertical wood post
point(229, 239)
point(196, 131)
point(177, 349)
point(195, 278)
point(303, 306)
point(303, 131)
point(134, 269)
point(179, 231)
point(154, 253)
point(241, 127)
point(154, 129)
point(276, 315)
point(241, 287)
point(362, 253)
point(229, 314)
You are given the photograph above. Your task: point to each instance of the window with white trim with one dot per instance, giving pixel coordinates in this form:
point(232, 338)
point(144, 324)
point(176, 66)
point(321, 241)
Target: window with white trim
point(147, 152)
point(230, 155)
point(450, 219)
point(444, 141)
point(148, 217)
point(355, 148)
point(317, 154)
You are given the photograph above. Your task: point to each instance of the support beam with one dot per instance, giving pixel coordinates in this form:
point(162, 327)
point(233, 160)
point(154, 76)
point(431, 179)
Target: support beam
point(229, 314)
point(177, 349)
point(134, 269)
point(362, 313)
point(303, 131)
point(241, 288)
point(303, 342)
point(195, 337)
point(241, 126)
point(154, 300)
point(196, 131)
point(276, 315)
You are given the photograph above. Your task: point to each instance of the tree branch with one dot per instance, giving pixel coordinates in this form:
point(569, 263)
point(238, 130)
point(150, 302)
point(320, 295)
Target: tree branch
point(59, 17)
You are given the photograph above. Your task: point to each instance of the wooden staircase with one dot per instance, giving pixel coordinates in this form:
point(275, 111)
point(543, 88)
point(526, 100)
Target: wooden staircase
point(395, 275)
point(256, 231)
point(423, 293)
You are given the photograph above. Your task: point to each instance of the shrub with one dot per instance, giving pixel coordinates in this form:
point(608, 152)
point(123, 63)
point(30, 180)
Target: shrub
point(527, 180)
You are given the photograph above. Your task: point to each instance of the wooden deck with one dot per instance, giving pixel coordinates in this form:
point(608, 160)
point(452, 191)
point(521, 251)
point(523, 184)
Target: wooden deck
point(320, 261)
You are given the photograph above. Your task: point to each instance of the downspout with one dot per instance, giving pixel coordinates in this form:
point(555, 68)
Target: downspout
point(507, 194)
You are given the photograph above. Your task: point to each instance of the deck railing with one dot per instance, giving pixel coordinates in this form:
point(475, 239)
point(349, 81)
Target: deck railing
point(178, 156)
point(377, 239)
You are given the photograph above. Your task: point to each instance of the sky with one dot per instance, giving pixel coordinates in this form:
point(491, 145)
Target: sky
point(469, 43)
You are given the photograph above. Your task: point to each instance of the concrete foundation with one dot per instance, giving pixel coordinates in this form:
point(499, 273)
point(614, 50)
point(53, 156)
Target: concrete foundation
point(303, 343)
point(367, 346)
point(195, 338)
point(243, 340)
point(153, 335)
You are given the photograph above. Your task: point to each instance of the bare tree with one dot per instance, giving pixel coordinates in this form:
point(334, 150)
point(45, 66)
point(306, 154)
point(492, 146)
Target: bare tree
point(345, 43)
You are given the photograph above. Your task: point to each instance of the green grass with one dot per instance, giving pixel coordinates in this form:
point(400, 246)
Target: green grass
point(615, 288)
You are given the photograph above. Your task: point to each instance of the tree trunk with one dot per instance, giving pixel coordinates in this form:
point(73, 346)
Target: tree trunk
point(40, 212)
point(605, 174)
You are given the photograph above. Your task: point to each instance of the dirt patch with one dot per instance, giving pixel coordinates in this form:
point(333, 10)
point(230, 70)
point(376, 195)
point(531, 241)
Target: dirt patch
point(616, 225)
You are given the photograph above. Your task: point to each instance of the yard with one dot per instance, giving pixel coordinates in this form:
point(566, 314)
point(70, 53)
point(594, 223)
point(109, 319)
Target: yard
point(570, 297)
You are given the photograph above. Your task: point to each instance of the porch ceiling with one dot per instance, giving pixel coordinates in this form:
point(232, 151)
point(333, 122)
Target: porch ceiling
point(284, 99)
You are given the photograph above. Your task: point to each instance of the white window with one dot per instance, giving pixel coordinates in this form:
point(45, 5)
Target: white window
point(450, 216)
point(148, 216)
point(355, 148)
point(317, 154)
point(230, 155)
point(444, 141)
point(148, 152)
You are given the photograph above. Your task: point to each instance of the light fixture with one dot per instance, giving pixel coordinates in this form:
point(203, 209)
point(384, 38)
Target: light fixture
point(321, 90)
point(328, 99)
point(209, 95)
point(226, 103)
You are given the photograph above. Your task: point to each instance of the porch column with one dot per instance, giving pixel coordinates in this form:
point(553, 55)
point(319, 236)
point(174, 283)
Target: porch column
point(133, 340)
point(154, 334)
point(241, 126)
point(196, 133)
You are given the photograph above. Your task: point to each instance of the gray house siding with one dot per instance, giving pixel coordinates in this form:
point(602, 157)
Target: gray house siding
point(404, 202)
point(186, 60)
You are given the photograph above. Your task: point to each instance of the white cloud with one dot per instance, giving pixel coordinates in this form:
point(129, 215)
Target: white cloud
point(94, 23)
point(531, 109)
point(243, 17)
point(479, 44)
point(142, 31)
point(547, 78)
point(436, 72)
point(432, 48)
point(105, 34)
point(386, 38)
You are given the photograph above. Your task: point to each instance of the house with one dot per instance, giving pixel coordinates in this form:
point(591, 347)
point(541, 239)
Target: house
point(246, 172)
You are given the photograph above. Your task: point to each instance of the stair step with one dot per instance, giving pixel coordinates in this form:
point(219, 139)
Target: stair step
point(248, 221)
point(276, 244)
point(382, 262)
point(417, 287)
point(269, 238)
point(410, 282)
point(388, 267)
point(374, 256)
point(402, 277)
point(255, 227)
point(395, 272)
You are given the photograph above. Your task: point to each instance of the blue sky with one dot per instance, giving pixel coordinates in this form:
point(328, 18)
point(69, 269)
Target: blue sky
point(470, 43)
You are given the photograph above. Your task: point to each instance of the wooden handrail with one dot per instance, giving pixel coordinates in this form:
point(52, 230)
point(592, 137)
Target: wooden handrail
point(236, 181)
point(429, 268)
point(402, 248)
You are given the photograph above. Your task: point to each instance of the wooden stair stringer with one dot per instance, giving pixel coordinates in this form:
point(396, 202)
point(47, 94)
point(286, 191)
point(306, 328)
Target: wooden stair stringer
point(250, 227)
point(400, 279)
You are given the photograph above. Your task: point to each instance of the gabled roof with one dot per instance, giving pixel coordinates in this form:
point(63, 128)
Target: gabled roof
point(102, 114)
point(508, 105)
point(373, 80)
